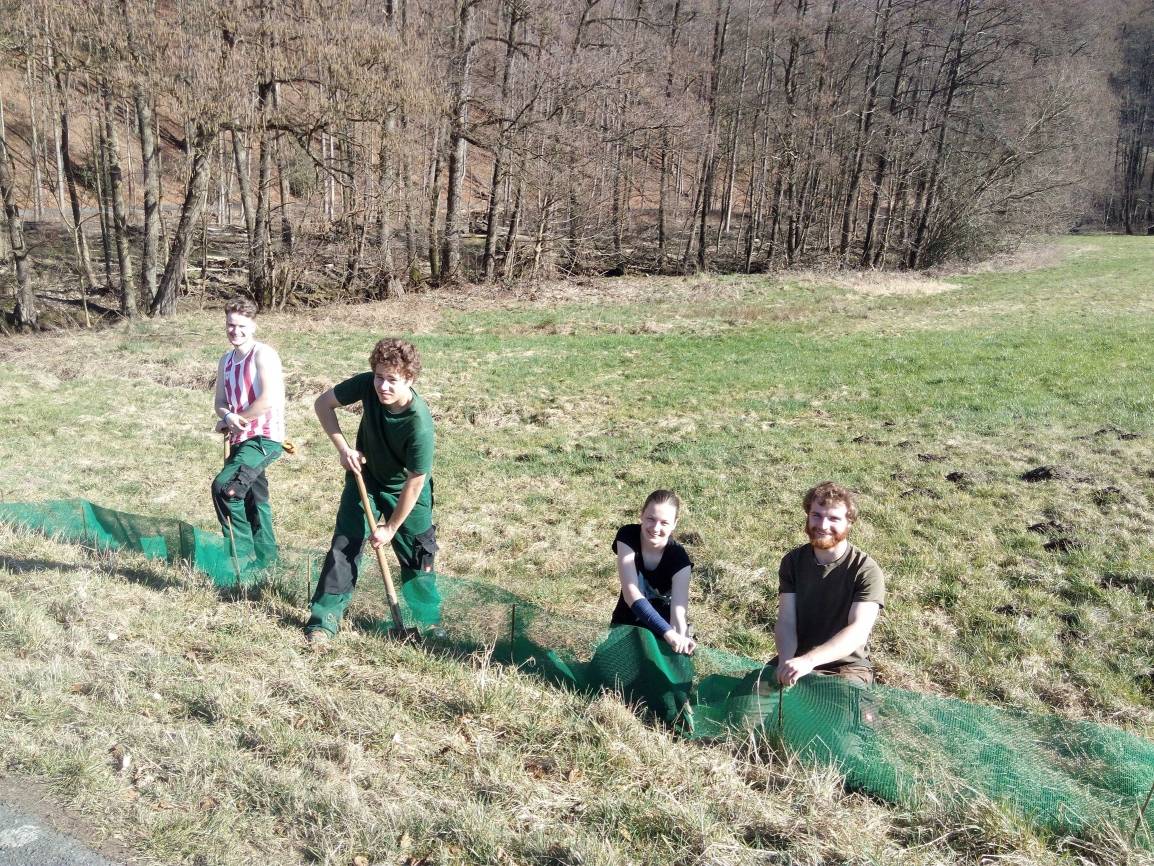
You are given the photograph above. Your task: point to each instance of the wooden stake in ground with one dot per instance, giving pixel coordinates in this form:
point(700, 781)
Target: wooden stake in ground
point(1141, 813)
point(398, 630)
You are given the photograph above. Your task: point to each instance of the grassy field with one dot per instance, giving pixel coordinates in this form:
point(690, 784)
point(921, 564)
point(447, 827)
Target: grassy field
point(558, 409)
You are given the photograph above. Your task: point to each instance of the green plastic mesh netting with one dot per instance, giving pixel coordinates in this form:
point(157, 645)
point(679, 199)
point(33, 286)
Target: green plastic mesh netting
point(1069, 778)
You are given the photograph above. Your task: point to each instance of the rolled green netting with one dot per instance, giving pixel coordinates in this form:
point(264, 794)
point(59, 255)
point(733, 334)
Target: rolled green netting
point(1070, 778)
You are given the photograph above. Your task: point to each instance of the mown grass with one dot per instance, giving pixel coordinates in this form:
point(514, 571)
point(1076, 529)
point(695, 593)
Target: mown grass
point(557, 411)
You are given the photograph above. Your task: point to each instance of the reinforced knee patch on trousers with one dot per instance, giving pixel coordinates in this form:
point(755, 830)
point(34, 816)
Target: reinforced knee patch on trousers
point(245, 479)
point(426, 549)
point(341, 566)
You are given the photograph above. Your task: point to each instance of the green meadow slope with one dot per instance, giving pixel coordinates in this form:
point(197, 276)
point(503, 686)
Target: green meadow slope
point(558, 410)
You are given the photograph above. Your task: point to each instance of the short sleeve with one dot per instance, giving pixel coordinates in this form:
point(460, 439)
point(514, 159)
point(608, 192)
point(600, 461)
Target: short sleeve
point(870, 584)
point(785, 575)
point(354, 389)
point(419, 453)
point(627, 536)
point(679, 559)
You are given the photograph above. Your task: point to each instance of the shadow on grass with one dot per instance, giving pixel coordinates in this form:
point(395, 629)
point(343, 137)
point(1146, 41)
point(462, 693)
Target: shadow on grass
point(138, 576)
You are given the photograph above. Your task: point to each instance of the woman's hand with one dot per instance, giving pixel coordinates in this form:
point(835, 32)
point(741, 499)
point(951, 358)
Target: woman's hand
point(680, 643)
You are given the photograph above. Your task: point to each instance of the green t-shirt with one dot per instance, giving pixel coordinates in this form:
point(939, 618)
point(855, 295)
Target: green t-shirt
point(824, 593)
point(394, 444)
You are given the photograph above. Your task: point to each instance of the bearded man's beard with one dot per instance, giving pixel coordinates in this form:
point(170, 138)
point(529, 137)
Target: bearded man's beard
point(825, 541)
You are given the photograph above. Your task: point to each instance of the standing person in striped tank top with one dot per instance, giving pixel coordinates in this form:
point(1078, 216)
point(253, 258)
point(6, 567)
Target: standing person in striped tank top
point(250, 405)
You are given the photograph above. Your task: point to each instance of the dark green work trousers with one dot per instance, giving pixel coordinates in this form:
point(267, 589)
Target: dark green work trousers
point(240, 497)
point(415, 546)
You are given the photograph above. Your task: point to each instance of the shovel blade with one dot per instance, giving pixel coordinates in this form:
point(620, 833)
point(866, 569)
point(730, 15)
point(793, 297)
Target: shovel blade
point(405, 635)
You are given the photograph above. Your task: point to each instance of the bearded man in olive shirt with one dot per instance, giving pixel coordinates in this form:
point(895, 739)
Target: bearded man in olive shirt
point(394, 457)
point(830, 595)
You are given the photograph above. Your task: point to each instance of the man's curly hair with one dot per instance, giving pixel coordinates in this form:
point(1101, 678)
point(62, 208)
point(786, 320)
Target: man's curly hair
point(399, 355)
point(831, 493)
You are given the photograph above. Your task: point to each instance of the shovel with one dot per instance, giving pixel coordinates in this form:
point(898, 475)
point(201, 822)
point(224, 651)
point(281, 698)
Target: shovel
point(398, 630)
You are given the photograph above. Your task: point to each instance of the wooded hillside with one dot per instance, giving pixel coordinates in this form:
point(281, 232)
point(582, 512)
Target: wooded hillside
point(380, 145)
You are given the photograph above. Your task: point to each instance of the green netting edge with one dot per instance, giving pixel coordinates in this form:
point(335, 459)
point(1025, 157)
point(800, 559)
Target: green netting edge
point(1068, 778)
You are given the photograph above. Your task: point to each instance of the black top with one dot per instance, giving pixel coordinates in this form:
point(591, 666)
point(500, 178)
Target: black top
point(655, 584)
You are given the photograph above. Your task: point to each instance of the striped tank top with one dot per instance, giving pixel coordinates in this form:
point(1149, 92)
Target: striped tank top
point(242, 385)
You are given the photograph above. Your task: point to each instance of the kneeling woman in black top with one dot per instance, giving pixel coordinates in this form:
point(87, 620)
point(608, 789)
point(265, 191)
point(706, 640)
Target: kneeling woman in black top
point(654, 571)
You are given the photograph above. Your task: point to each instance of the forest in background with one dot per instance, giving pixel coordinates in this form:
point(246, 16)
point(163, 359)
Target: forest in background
point(363, 149)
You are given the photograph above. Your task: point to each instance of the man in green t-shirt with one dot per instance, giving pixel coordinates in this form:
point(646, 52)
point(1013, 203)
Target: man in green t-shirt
point(830, 595)
point(394, 456)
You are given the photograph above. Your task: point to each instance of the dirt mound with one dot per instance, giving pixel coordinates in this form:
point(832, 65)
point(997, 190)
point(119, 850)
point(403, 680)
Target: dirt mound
point(1046, 473)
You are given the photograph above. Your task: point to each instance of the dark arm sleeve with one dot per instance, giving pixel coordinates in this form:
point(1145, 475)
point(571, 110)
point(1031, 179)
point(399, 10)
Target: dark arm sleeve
point(625, 537)
point(785, 581)
point(354, 389)
point(870, 584)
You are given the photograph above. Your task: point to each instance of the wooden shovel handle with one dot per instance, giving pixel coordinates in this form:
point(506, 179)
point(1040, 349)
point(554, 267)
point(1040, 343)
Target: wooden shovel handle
point(392, 593)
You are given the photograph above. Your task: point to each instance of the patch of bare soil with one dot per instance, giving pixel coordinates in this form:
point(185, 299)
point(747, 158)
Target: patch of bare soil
point(31, 797)
point(1050, 527)
point(1063, 545)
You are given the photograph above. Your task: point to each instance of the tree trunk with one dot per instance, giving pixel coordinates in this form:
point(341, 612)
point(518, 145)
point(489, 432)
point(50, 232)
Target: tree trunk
point(150, 169)
point(280, 159)
point(128, 300)
point(687, 260)
point(576, 230)
point(244, 183)
point(25, 313)
point(104, 209)
point(489, 261)
point(916, 256)
point(286, 226)
point(542, 235)
point(410, 206)
point(390, 285)
point(68, 168)
point(865, 120)
point(509, 254)
point(434, 206)
point(260, 254)
point(458, 145)
point(34, 154)
point(200, 144)
point(663, 180)
point(731, 175)
point(882, 160)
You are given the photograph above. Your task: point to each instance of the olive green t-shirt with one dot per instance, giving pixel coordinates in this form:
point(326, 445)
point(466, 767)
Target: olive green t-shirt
point(824, 593)
point(394, 444)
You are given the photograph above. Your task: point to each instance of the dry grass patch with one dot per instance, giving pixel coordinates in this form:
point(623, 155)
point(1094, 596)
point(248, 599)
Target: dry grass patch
point(558, 408)
point(204, 732)
point(878, 283)
point(1030, 256)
